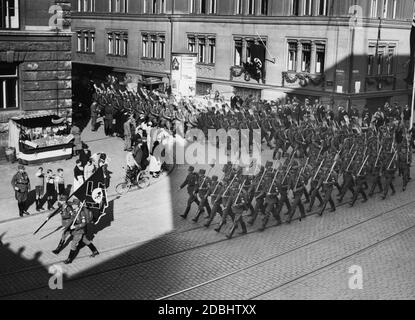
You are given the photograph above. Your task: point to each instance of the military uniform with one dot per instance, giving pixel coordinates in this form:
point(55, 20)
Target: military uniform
point(21, 185)
point(389, 175)
point(360, 181)
point(216, 189)
point(270, 194)
point(376, 180)
point(108, 119)
point(203, 192)
point(298, 191)
point(327, 188)
point(404, 162)
point(238, 207)
point(192, 185)
point(78, 232)
point(348, 184)
point(228, 197)
point(67, 216)
point(314, 191)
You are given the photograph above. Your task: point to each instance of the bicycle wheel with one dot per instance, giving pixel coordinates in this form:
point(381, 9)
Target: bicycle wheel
point(123, 188)
point(144, 182)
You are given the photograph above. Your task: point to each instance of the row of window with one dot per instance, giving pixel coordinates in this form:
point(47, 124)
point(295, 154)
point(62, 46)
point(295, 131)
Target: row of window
point(306, 56)
point(303, 55)
point(204, 46)
point(381, 59)
point(308, 8)
point(250, 7)
point(375, 6)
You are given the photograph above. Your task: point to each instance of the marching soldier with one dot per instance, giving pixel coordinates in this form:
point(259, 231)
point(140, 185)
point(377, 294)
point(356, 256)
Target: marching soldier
point(238, 207)
point(316, 183)
point(228, 197)
point(405, 160)
point(360, 180)
point(283, 187)
point(298, 191)
point(203, 192)
point(78, 231)
point(67, 216)
point(327, 188)
point(21, 185)
point(348, 184)
point(216, 188)
point(258, 194)
point(389, 175)
point(270, 201)
point(192, 184)
point(376, 177)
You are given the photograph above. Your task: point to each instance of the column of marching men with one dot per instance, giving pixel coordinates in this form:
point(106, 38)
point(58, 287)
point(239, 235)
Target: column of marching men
point(321, 159)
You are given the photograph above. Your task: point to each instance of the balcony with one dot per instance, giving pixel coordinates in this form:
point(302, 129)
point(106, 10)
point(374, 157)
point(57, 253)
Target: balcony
point(380, 82)
point(302, 79)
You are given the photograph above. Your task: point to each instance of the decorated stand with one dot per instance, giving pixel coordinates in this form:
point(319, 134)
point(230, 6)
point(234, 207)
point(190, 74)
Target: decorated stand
point(40, 139)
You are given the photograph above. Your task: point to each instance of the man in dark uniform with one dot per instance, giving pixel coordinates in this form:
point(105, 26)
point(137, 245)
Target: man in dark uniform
point(258, 195)
point(283, 187)
point(108, 119)
point(376, 177)
point(271, 201)
point(21, 185)
point(67, 216)
point(238, 207)
point(78, 231)
point(298, 191)
point(360, 181)
point(228, 197)
point(316, 183)
point(404, 162)
point(203, 192)
point(192, 184)
point(327, 188)
point(348, 184)
point(216, 189)
point(389, 175)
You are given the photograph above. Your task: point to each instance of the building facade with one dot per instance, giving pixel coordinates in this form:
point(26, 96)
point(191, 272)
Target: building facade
point(341, 51)
point(35, 59)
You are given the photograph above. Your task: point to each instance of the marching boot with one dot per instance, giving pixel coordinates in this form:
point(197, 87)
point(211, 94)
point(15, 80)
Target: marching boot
point(20, 209)
point(37, 205)
point(40, 204)
point(94, 250)
point(184, 215)
point(70, 257)
point(222, 223)
point(230, 234)
point(59, 247)
point(196, 219)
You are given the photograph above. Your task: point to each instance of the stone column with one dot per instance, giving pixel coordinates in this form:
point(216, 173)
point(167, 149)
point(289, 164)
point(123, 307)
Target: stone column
point(299, 55)
point(313, 57)
point(244, 48)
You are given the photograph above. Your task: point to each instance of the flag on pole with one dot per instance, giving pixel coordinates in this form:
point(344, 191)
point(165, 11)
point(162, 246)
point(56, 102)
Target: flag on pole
point(410, 76)
point(94, 193)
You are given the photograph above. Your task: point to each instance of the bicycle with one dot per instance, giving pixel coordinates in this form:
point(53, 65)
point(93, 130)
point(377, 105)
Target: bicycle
point(141, 180)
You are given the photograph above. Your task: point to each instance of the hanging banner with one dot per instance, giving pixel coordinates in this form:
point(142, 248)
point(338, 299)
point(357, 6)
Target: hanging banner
point(183, 74)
